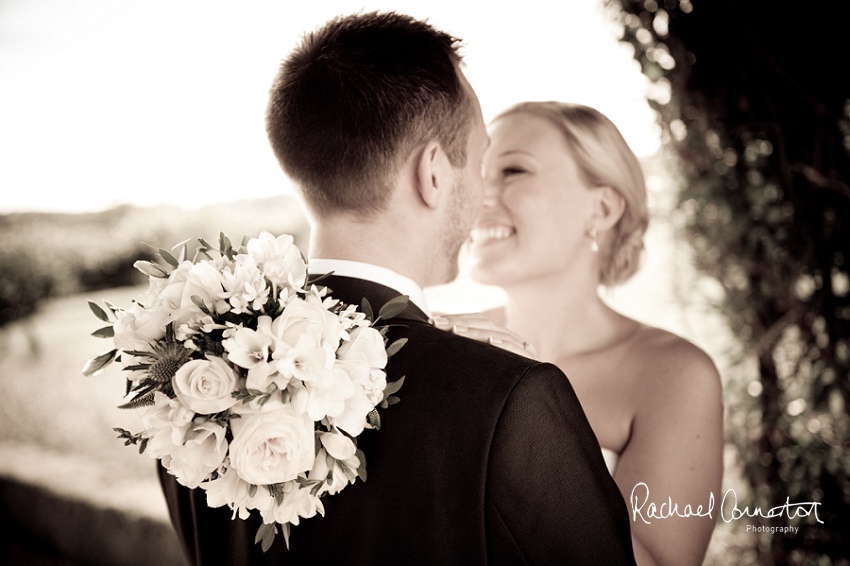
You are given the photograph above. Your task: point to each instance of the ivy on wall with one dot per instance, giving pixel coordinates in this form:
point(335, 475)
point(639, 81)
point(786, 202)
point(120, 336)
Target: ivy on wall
point(753, 98)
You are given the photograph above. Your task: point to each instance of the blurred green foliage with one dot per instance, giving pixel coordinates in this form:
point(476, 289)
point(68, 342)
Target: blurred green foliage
point(51, 255)
point(754, 103)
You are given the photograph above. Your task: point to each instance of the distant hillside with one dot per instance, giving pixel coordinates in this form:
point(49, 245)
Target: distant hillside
point(46, 255)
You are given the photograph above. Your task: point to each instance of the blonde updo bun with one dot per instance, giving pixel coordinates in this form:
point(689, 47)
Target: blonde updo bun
point(604, 159)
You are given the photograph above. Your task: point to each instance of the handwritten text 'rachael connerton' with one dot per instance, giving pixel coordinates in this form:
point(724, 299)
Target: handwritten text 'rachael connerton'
point(729, 511)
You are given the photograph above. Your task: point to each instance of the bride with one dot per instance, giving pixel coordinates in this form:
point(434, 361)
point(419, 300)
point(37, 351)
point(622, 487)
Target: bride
point(565, 212)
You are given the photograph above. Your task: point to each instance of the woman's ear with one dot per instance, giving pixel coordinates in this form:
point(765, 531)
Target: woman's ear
point(432, 172)
point(608, 208)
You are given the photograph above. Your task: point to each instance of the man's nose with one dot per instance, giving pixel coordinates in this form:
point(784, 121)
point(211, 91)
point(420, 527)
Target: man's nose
point(491, 194)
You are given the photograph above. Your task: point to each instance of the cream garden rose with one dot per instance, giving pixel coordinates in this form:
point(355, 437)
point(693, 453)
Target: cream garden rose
point(273, 446)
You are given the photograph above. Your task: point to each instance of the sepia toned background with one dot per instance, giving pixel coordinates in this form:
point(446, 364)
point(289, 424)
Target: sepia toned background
point(129, 126)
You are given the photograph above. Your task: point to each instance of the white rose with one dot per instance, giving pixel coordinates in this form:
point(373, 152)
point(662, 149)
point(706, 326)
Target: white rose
point(302, 318)
point(203, 452)
point(167, 292)
point(205, 386)
point(272, 447)
point(279, 259)
point(365, 344)
point(203, 280)
point(137, 326)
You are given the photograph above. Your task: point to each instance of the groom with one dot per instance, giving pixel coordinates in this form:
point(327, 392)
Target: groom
point(488, 459)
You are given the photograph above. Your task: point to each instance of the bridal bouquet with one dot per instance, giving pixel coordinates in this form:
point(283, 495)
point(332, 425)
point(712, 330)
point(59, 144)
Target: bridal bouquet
point(253, 382)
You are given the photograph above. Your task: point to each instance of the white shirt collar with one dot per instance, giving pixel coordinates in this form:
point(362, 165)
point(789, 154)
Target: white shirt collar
point(374, 273)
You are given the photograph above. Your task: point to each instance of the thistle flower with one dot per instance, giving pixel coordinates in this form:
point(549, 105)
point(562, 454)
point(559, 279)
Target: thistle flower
point(164, 359)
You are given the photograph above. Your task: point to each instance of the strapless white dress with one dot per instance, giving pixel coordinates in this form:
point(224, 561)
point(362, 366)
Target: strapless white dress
point(611, 459)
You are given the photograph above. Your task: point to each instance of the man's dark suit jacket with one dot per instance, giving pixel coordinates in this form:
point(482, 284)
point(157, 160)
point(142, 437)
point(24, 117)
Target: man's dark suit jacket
point(487, 459)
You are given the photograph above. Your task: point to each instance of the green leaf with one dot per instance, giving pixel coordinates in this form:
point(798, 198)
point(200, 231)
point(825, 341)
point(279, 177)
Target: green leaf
point(201, 304)
point(169, 259)
point(202, 252)
point(313, 279)
point(225, 246)
point(285, 529)
point(149, 268)
point(98, 312)
point(265, 535)
point(361, 471)
point(184, 249)
point(96, 365)
point(366, 307)
point(140, 354)
point(396, 346)
point(111, 307)
point(393, 307)
point(105, 332)
point(393, 387)
point(206, 244)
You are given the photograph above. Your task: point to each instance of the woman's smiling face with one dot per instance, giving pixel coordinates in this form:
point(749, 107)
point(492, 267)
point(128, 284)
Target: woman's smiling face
point(537, 206)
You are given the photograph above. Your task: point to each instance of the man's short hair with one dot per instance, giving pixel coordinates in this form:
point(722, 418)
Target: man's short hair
point(353, 100)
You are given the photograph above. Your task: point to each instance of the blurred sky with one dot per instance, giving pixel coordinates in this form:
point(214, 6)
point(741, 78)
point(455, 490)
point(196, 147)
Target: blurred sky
point(104, 102)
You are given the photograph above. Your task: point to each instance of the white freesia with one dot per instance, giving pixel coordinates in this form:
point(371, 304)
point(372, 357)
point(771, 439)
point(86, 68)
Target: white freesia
point(280, 260)
point(250, 349)
point(338, 445)
point(244, 285)
point(352, 419)
point(329, 471)
point(272, 447)
point(205, 386)
point(307, 361)
point(323, 398)
point(165, 423)
point(203, 452)
point(297, 503)
point(231, 490)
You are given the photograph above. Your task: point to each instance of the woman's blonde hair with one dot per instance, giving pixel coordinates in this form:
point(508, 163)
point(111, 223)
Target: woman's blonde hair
point(604, 159)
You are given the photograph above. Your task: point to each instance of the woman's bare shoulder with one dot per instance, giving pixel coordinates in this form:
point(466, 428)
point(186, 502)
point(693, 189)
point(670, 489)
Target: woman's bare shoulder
point(668, 361)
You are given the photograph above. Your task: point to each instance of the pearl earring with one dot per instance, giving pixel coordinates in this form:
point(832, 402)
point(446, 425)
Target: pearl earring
point(594, 246)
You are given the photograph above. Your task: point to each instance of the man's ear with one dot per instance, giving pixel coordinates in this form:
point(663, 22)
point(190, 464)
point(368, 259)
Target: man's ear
point(431, 174)
point(608, 208)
